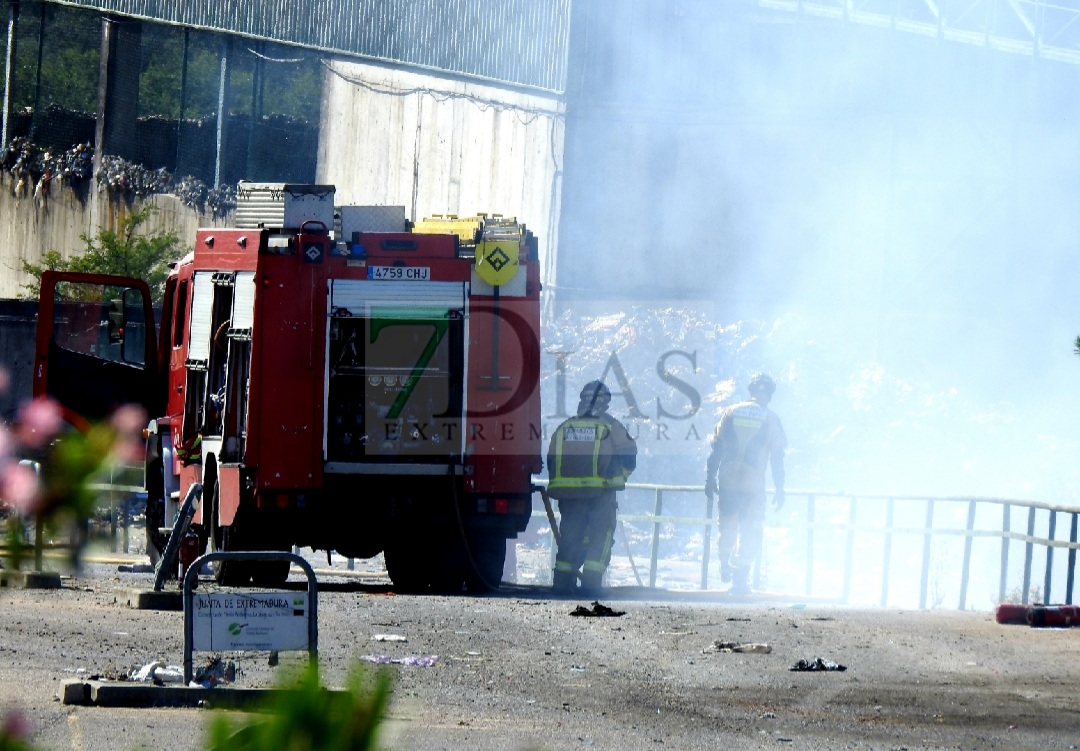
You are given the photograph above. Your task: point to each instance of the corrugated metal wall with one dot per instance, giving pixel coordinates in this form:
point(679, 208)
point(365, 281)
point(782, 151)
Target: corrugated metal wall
point(522, 42)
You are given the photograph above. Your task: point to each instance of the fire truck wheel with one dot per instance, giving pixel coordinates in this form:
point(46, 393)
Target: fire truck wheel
point(269, 573)
point(407, 569)
point(225, 539)
point(489, 555)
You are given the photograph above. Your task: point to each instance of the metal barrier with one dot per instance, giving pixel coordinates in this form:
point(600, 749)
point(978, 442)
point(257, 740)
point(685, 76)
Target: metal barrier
point(846, 515)
point(191, 578)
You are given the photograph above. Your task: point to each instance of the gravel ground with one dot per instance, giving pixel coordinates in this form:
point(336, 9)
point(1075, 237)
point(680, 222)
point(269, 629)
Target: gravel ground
point(516, 671)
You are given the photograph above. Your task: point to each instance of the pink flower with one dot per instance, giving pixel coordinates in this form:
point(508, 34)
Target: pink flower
point(20, 488)
point(129, 419)
point(39, 420)
point(7, 443)
point(128, 422)
point(15, 726)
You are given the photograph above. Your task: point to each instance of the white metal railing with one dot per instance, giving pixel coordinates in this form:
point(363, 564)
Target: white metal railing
point(819, 530)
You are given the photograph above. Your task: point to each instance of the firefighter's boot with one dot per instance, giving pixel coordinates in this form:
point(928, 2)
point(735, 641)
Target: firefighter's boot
point(740, 580)
point(564, 582)
point(592, 582)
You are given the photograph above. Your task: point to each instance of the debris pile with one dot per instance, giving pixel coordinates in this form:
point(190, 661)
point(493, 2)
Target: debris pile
point(216, 672)
point(34, 169)
point(817, 664)
point(597, 611)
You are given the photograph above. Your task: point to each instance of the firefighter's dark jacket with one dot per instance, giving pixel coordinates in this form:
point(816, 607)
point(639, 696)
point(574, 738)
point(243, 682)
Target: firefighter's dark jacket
point(589, 454)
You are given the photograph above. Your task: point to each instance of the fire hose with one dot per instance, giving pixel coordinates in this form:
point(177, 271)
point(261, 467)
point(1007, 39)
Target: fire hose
point(550, 513)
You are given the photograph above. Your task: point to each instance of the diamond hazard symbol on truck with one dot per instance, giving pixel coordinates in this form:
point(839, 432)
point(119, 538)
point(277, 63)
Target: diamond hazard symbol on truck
point(498, 259)
point(313, 252)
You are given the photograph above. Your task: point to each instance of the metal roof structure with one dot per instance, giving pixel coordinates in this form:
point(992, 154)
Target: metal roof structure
point(519, 42)
point(1048, 29)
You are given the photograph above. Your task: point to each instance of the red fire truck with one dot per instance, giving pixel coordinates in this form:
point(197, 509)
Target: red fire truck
point(329, 386)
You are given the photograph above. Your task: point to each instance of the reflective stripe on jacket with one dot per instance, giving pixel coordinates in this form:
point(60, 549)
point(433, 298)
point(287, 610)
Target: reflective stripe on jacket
point(578, 458)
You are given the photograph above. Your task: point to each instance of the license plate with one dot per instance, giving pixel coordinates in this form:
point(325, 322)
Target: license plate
point(404, 273)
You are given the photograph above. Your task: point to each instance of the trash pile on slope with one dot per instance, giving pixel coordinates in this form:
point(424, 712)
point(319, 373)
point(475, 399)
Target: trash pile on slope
point(34, 169)
point(854, 424)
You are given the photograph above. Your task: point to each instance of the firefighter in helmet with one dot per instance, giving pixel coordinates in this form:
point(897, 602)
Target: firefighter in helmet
point(747, 438)
point(589, 459)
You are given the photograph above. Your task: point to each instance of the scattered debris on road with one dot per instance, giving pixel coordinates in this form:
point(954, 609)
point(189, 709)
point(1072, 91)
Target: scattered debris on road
point(388, 637)
point(158, 673)
point(816, 664)
point(732, 646)
point(411, 660)
point(216, 672)
point(598, 611)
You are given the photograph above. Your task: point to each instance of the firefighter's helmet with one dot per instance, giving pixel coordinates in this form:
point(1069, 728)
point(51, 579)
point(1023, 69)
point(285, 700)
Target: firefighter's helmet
point(761, 383)
point(595, 394)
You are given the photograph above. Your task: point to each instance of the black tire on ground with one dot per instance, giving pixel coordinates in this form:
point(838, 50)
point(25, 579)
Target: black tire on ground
point(489, 556)
point(450, 564)
point(407, 566)
point(269, 573)
point(225, 539)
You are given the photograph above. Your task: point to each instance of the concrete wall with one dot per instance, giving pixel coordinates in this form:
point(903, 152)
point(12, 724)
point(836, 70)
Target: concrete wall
point(443, 146)
point(31, 227)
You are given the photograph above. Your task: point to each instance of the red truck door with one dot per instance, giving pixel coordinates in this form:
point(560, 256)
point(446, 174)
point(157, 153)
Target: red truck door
point(96, 345)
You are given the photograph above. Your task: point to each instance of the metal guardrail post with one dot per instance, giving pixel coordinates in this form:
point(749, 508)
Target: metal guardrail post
point(809, 569)
point(1072, 561)
point(1006, 523)
point(887, 559)
point(112, 515)
point(924, 581)
point(706, 536)
point(1028, 550)
point(849, 550)
point(39, 543)
point(965, 570)
point(1051, 530)
point(658, 506)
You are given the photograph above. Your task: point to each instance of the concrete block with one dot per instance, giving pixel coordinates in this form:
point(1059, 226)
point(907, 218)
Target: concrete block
point(148, 599)
point(74, 692)
point(30, 579)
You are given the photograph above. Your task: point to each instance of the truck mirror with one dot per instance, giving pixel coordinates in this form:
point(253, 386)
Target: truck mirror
point(116, 322)
point(133, 328)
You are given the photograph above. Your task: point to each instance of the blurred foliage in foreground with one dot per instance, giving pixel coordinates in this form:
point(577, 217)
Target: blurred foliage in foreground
point(306, 716)
point(301, 716)
point(47, 472)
